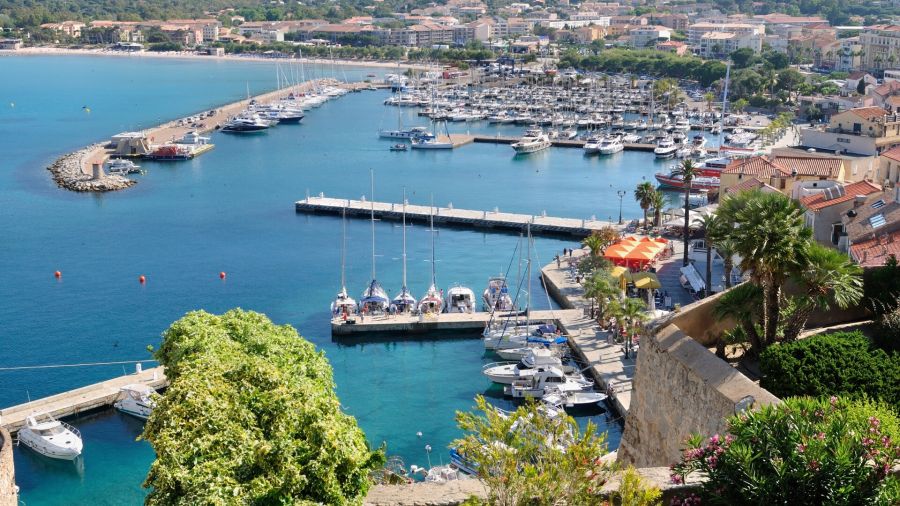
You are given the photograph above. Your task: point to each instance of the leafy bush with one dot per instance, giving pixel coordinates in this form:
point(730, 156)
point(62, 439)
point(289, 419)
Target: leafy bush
point(803, 452)
point(251, 417)
point(843, 363)
point(887, 331)
point(881, 287)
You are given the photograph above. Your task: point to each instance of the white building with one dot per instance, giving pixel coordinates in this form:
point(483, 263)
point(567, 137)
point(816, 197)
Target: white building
point(745, 35)
point(721, 44)
point(648, 36)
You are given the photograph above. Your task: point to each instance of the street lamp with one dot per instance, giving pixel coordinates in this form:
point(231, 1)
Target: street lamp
point(621, 194)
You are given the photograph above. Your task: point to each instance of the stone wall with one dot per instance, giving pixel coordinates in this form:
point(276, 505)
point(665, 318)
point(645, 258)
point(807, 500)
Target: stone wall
point(450, 493)
point(8, 489)
point(681, 388)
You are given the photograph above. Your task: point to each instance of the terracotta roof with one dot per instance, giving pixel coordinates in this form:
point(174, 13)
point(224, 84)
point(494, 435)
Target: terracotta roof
point(750, 184)
point(856, 76)
point(875, 252)
point(893, 154)
point(869, 112)
point(756, 166)
point(879, 207)
point(851, 191)
point(810, 165)
point(887, 89)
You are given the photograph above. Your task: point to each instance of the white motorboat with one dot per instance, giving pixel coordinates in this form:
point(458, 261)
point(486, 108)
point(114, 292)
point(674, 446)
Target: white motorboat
point(533, 362)
point(120, 166)
point(573, 399)
point(545, 381)
point(430, 142)
point(137, 400)
point(610, 145)
point(592, 145)
point(665, 148)
point(533, 141)
point(496, 296)
point(682, 124)
point(517, 354)
point(246, 123)
point(51, 437)
point(401, 133)
point(460, 299)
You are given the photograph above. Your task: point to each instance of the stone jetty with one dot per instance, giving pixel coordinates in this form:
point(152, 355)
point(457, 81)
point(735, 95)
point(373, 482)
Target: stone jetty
point(69, 173)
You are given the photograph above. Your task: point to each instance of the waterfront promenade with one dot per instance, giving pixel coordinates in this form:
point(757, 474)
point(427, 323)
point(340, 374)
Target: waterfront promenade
point(540, 224)
point(79, 400)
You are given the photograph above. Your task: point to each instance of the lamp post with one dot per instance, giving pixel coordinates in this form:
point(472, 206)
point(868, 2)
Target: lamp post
point(621, 194)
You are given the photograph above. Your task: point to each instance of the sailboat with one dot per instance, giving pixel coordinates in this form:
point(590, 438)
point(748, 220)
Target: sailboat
point(400, 132)
point(374, 298)
point(433, 301)
point(404, 302)
point(430, 141)
point(343, 303)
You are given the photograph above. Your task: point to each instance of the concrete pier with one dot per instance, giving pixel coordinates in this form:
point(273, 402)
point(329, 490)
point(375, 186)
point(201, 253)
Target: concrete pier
point(79, 400)
point(409, 324)
point(495, 219)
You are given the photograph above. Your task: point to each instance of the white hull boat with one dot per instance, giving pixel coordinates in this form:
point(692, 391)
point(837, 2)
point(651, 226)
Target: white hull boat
point(51, 437)
point(137, 400)
point(460, 299)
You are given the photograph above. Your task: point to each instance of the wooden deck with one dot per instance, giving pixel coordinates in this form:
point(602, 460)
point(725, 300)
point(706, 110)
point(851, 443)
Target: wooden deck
point(408, 324)
point(79, 400)
point(450, 216)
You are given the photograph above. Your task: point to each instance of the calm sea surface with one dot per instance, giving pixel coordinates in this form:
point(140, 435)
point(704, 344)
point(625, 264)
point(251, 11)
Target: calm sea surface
point(232, 210)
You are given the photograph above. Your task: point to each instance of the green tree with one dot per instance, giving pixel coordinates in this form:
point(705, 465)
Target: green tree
point(687, 171)
point(743, 57)
point(861, 87)
point(709, 97)
point(743, 304)
point(771, 237)
point(643, 194)
point(740, 104)
point(600, 288)
point(530, 457)
point(711, 225)
point(251, 417)
point(657, 203)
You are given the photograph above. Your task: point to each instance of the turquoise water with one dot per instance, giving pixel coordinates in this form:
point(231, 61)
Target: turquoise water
point(232, 210)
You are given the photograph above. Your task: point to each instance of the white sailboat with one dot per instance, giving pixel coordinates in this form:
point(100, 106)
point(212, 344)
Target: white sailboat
point(431, 141)
point(433, 300)
point(343, 303)
point(374, 299)
point(404, 302)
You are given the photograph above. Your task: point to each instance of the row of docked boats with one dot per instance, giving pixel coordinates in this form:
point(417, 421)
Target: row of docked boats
point(259, 116)
point(53, 438)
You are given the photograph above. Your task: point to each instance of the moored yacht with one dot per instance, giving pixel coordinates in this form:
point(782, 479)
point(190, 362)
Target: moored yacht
point(403, 133)
point(496, 296)
point(460, 299)
point(51, 437)
point(546, 381)
point(246, 123)
point(121, 166)
point(530, 364)
point(611, 145)
point(343, 304)
point(533, 141)
point(665, 148)
point(137, 400)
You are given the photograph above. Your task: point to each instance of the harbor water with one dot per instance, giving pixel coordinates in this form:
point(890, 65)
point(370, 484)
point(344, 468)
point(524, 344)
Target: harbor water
point(231, 210)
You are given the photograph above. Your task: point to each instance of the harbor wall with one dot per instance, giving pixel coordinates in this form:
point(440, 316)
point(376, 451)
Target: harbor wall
point(8, 490)
point(682, 388)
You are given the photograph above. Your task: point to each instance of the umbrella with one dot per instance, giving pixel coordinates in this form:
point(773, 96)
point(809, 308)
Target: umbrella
point(646, 280)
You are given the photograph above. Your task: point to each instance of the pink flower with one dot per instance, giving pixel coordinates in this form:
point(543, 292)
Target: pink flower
point(834, 400)
point(820, 436)
point(801, 447)
point(676, 479)
point(714, 440)
point(814, 465)
point(712, 461)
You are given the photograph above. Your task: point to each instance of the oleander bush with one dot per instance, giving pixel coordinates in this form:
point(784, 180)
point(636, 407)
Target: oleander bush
point(887, 331)
point(806, 451)
point(843, 363)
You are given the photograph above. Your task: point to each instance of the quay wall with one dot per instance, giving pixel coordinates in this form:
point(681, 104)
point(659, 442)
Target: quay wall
point(8, 491)
point(682, 388)
point(68, 172)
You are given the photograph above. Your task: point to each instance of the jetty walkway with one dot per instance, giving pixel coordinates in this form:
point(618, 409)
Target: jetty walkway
point(76, 171)
point(540, 224)
point(568, 143)
point(81, 399)
point(421, 324)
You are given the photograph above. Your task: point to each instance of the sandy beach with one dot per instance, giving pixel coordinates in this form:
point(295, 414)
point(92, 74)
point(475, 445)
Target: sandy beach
point(189, 55)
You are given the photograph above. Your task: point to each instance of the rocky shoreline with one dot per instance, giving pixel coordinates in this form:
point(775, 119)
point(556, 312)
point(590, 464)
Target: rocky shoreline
point(67, 173)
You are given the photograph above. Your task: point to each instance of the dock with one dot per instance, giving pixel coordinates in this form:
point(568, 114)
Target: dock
point(566, 143)
point(82, 399)
point(540, 224)
point(421, 324)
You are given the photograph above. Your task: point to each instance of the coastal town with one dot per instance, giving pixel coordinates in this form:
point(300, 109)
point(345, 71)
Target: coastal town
point(451, 253)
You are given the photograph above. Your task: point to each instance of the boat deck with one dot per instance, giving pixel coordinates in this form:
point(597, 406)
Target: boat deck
point(495, 219)
point(79, 400)
point(421, 324)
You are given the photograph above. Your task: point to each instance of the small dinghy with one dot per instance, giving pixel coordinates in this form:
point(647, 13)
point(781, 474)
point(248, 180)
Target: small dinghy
point(399, 147)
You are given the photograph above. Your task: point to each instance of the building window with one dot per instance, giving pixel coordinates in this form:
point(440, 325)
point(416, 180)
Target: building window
point(836, 230)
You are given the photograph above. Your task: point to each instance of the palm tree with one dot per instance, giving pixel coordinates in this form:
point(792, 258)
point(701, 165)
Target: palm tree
point(657, 203)
point(643, 195)
point(771, 237)
point(594, 243)
point(742, 304)
point(600, 288)
point(725, 247)
point(709, 97)
point(633, 312)
point(688, 171)
point(710, 225)
point(827, 276)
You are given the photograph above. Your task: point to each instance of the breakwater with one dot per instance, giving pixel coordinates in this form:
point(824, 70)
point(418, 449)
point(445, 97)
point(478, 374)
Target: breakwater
point(82, 170)
point(9, 493)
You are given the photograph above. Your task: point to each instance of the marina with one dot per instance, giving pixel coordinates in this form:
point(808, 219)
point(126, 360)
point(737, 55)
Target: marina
point(540, 224)
point(408, 324)
point(80, 400)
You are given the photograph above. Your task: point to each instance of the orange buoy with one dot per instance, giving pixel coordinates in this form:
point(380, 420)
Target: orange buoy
point(57, 274)
point(222, 275)
point(142, 279)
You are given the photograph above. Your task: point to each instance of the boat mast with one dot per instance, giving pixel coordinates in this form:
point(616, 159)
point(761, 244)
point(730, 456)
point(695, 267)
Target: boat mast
point(372, 216)
point(403, 290)
point(724, 101)
point(343, 248)
point(528, 293)
point(431, 218)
